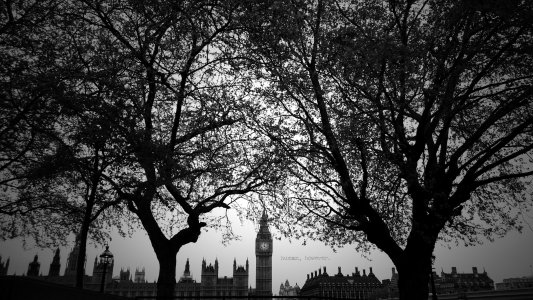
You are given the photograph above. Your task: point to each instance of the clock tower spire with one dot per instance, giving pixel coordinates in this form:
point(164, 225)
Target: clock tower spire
point(263, 258)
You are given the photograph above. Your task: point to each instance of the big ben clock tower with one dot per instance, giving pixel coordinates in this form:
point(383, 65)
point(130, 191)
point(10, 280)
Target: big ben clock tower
point(263, 259)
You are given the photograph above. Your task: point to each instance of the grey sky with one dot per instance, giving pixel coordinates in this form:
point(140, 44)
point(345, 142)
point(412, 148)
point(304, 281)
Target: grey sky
point(510, 256)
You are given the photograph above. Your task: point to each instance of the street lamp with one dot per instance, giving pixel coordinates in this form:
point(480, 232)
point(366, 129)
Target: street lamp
point(106, 258)
point(433, 291)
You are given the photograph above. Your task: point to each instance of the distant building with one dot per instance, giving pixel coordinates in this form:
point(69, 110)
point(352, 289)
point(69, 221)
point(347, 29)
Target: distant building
point(3, 267)
point(69, 278)
point(211, 284)
point(125, 286)
point(392, 285)
point(356, 286)
point(451, 283)
point(72, 261)
point(288, 290)
point(55, 265)
point(140, 276)
point(448, 283)
point(124, 275)
point(98, 271)
point(263, 259)
point(33, 267)
point(187, 286)
point(515, 283)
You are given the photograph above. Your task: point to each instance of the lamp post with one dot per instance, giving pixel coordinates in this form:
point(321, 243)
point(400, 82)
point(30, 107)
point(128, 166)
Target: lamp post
point(433, 290)
point(106, 257)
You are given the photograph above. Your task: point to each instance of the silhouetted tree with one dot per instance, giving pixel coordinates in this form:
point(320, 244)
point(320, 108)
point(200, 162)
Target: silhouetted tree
point(28, 85)
point(179, 111)
point(406, 121)
point(54, 150)
point(75, 172)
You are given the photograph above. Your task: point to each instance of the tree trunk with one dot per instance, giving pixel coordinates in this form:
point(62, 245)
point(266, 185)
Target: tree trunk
point(87, 220)
point(166, 280)
point(413, 282)
point(84, 232)
point(415, 266)
point(166, 250)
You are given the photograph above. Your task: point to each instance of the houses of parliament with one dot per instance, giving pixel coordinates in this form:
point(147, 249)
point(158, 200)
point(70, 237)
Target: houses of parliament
point(136, 286)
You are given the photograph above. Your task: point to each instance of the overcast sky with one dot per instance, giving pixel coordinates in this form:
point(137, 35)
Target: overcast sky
point(511, 256)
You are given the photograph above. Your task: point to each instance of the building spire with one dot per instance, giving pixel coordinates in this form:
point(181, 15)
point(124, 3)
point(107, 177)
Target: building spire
point(55, 265)
point(263, 225)
point(187, 267)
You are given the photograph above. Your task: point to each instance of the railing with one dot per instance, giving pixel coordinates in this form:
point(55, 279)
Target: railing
point(241, 297)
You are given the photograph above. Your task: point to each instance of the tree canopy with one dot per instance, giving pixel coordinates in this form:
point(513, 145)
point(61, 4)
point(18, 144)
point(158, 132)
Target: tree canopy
point(394, 124)
point(29, 83)
point(159, 76)
point(407, 122)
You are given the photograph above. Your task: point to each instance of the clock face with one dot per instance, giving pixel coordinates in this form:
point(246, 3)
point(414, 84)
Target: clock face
point(263, 246)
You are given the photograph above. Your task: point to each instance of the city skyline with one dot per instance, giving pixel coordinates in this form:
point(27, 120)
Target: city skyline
point(505, 258)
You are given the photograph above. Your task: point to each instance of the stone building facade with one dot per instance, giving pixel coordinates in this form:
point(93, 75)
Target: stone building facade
point(354, 286)
point(128, 286)
point(449, 283)
point(212, 285)
point(454, 282)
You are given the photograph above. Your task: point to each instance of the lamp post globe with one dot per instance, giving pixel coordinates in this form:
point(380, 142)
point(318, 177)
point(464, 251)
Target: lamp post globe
point(106, 258)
